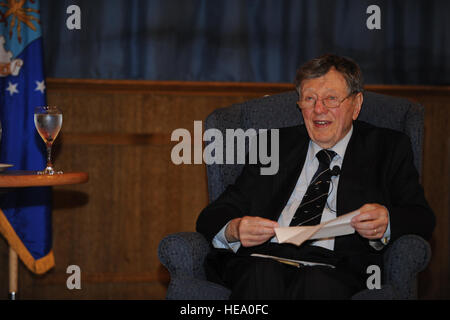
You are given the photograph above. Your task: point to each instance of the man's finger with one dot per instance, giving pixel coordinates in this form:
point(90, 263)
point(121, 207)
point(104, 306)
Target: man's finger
point(363, 217)
point(256, 228)
point(249, 239)
point(258, 237)
point(371, 229)
point(262, 231)
point(263, 222)
point(368, 216)
point(368, 226)
point(267, 223)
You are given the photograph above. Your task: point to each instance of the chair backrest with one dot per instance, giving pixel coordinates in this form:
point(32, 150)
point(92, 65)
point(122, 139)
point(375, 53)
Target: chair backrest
point(281, 110)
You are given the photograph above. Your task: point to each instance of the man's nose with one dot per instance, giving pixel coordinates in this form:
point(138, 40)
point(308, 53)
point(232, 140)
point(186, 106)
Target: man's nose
point(319, 107)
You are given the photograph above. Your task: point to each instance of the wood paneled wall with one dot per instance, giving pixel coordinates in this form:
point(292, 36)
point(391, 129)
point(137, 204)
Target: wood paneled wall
point(119, 132)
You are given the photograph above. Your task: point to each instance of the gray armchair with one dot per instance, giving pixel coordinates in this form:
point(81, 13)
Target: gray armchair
point(183, 254)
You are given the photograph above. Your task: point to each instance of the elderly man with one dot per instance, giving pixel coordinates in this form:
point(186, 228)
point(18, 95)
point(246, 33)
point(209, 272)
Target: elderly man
point(376, 176)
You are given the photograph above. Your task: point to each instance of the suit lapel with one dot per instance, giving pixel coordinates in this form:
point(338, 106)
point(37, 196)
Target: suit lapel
point(291, 163)
point(354, 171)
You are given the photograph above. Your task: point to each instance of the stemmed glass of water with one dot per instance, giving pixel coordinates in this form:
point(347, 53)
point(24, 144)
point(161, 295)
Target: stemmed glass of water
point(48, 122)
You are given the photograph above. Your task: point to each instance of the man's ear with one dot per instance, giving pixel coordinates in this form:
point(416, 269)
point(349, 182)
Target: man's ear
point(357, 103)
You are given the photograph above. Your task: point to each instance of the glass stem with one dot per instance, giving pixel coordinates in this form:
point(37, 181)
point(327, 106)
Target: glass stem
point(49, 155)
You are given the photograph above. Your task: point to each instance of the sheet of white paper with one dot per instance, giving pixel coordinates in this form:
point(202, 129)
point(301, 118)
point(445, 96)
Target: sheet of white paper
point(295, 235)
point(333, 228)
point(336, 227)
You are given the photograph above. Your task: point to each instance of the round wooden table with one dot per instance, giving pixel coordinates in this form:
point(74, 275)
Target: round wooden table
point(18, 179)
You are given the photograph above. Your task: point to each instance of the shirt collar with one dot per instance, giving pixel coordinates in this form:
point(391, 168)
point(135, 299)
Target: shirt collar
point(339, 147)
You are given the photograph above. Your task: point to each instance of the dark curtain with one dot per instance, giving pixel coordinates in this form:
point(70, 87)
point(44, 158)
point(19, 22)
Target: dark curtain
point(245, 40)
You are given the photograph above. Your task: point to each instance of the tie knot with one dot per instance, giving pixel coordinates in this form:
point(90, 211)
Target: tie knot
point(325, 156)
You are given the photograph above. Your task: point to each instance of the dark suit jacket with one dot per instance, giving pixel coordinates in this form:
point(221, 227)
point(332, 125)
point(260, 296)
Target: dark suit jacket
point(377, 168)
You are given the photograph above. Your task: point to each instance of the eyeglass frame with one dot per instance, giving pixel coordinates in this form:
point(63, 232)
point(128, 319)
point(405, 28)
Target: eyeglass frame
point(350, 94)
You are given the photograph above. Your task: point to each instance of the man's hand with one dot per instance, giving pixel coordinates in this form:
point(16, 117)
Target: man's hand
point(372, 221)
point(250, 231)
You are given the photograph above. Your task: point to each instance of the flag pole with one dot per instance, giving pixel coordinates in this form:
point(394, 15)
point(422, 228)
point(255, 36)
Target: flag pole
point(13, 273)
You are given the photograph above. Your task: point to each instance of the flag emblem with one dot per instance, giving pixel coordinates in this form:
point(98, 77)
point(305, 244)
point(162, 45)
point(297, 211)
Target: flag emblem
point(15, 9)
point(8, 65)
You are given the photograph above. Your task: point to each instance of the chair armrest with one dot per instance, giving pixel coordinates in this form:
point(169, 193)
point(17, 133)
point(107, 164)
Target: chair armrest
point(183, 254)
point(406, 257)
point(387, 292)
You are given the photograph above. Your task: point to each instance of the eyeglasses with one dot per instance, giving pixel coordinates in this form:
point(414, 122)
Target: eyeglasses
point(331, 102)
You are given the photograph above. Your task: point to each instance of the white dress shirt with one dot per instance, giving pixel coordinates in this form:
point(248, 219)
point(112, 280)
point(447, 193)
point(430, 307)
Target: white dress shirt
point(309, 169)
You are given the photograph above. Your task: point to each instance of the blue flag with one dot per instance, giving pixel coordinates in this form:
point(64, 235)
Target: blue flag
point(25, 213)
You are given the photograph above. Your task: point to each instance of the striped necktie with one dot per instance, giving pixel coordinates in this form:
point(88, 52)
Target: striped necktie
point(310, 209)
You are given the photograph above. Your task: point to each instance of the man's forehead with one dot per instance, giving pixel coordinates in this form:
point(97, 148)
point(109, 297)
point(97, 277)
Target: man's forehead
point(331, 81)
point(323, 89)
